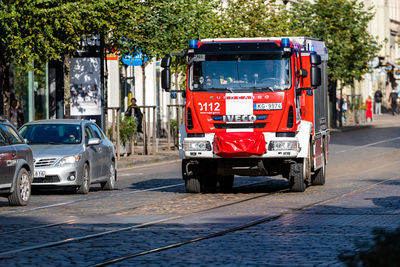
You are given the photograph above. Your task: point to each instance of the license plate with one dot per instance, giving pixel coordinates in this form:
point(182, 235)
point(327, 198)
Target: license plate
point(267, 106)
point(39, 174)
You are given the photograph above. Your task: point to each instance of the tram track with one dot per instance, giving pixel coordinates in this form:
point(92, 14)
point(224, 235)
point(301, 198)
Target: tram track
point(90, 199)
point(136, 226)
point(74, 221)
point(242, 226)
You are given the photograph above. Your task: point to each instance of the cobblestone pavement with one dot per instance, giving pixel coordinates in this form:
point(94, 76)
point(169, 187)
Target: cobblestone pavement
point(305, 229)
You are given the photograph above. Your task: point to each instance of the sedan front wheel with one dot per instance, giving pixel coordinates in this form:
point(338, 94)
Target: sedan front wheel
point(22, 191)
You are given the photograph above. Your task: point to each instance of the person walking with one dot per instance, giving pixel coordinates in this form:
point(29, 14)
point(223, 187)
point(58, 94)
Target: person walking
point(378, 102)
point(344, 104)
point(368, 113)
point(16, 114)
point(134, 111)
point(393, 101)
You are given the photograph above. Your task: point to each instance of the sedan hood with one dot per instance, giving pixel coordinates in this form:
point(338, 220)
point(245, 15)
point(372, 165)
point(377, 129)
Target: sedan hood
point(45, 150)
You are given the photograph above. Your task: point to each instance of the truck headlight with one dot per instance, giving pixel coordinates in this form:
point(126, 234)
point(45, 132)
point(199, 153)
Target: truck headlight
point(193, 145)
point(68, 160)
point(283, 145)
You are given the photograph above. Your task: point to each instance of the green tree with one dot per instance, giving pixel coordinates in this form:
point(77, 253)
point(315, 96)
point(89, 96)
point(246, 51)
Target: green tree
point(33, 32)
point(343, 25)
point(258, 18)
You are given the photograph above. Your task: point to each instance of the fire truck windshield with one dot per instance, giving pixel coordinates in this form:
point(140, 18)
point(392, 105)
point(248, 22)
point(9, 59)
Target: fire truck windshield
point(247, 72)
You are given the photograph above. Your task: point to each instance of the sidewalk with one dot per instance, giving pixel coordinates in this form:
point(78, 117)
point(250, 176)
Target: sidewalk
point(139, 159)
point(164, 154)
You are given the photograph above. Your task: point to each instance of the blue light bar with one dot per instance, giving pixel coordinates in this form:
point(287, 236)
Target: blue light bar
point(193, 44)
point(285, 42)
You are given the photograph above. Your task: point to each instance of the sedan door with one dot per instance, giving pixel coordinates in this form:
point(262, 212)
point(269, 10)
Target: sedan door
point(7, 160)
point(94, 154)
point(104, 150)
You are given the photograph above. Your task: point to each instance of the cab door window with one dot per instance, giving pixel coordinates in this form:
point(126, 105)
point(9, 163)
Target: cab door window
point(89, 134)
point(12, 135)
point(3, 139)
point(96, 131)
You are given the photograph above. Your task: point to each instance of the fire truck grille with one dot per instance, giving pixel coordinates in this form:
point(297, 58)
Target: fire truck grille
point(239, 125)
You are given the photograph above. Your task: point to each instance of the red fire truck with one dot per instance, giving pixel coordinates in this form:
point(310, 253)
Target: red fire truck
point(254, 107)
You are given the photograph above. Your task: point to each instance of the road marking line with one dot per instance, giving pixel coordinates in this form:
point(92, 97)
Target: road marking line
point(129, 174)
point(368, 145)
point(95, 198)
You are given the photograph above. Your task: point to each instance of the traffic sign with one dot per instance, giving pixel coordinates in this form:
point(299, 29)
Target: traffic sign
point(135, 60)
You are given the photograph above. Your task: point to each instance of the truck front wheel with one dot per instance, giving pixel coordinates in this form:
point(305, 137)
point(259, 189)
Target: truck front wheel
point(199, 176)
point(192, 185)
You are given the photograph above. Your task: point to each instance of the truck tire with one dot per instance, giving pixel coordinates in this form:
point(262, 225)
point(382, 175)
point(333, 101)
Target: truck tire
point(226, 183)
point(22, 191)
point(183, 168)
point(319, 176)
point(192, 185)
point(297, 183)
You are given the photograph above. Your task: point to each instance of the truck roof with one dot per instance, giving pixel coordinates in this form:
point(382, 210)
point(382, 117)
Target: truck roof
point(304, 43)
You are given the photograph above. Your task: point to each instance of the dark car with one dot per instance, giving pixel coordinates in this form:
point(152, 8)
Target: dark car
point(70, 153)
point(16, 165)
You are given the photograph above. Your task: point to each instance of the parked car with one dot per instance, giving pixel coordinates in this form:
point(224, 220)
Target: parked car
point(16, 165)
point(70, 153)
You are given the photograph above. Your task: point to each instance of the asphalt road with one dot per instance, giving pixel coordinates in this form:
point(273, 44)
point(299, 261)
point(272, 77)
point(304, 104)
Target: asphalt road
point(150, 220)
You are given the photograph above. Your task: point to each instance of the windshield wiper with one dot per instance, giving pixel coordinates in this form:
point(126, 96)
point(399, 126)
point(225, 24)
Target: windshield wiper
point(45, 143)
point(258, 87)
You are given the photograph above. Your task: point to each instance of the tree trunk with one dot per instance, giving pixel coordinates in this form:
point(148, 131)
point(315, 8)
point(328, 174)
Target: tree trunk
point(2, 87)
point(4, 90)
point(67, 90)
point(145, 133)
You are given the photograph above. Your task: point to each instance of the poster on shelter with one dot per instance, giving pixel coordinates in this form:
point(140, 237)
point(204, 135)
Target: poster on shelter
point(85, 87)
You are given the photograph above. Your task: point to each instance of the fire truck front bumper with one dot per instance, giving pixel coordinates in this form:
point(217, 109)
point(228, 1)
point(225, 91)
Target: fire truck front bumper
point(273, 147)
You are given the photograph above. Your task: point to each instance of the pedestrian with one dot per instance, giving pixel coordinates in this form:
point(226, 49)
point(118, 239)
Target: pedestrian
point(134, 111)
point(393, 101)
point(16, 114)
point(368, 113)
point(378, 102)
point(338, 109)
point(344, 104)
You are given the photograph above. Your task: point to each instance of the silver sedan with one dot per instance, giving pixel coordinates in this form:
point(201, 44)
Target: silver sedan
point(70, 153)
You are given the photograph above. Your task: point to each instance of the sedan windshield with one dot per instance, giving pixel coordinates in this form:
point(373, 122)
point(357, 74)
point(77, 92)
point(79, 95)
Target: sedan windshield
point(51, 133)
point(240, 72)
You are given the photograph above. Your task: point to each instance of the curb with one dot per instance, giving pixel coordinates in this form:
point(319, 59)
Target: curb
point(349, 128)
point(125, 164)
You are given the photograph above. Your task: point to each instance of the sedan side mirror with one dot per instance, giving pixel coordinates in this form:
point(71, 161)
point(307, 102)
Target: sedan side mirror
point(94, 141)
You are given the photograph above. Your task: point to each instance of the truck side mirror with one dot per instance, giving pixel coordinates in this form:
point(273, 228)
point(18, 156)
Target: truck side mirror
point(315, 59)
point(315, 76)
point(166, 79)
point(166, 61)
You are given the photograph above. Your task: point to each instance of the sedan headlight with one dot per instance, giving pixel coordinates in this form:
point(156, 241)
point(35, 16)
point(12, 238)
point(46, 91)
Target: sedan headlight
point(193, 145)
point(283, 145)
point(68, 160)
